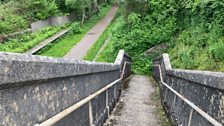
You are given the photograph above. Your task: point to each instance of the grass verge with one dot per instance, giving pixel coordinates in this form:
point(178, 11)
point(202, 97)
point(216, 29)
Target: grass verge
point(92, 53)
point(62, 46)
point(108, 54)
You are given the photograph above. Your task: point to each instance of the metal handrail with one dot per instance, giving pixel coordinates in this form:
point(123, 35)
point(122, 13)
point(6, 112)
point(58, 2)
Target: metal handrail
point(74, 107)
point(192, 105)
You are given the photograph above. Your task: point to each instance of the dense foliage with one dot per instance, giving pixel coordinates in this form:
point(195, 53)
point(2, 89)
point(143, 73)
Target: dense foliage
point(200, 40)
point(16, 15)
point(193, 29)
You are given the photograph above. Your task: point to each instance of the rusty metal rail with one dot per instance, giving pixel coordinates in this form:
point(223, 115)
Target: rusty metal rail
point(53, 120)
point(192, 105)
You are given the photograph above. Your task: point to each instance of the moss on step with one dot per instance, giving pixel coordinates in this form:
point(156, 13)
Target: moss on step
point(160, 111)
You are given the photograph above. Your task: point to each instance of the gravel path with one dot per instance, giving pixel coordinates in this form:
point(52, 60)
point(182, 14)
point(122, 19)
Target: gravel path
point(136, 107)
point(81, 49)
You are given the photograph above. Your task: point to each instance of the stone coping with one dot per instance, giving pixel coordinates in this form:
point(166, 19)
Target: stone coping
point(208, 78)
point(21, 68)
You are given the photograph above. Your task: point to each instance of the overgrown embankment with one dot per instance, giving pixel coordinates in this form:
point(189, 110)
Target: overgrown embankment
point(17, 15)
point(192, 29)
point(62, 46)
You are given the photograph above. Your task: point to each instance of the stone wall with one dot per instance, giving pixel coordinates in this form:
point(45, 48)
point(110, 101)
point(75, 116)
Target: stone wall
point(62, 20)
point(204, 88)
point(53, 21)
point(35, 88)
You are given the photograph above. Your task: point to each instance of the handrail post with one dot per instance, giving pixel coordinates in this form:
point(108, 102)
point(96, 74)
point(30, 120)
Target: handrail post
point(174, 101)
point(107, 103)
point(115, 93)
point(190, 117)
point(90, 113)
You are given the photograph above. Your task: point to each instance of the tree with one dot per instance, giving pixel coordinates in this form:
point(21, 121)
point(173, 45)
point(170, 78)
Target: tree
point(79, 5)
point(96, 5)
point(37, 9)
point(62, 6)
point(136, 6)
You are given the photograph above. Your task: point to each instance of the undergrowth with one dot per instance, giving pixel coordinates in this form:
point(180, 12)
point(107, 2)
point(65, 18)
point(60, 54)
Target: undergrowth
point(27, 41)
point(135, 38)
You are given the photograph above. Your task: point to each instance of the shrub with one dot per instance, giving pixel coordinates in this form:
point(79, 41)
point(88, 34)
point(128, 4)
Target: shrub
point(217, 51)
point(76, 28)
point(11, 23)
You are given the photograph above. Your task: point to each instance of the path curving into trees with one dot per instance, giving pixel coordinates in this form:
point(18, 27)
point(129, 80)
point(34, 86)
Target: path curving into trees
point(81, 49)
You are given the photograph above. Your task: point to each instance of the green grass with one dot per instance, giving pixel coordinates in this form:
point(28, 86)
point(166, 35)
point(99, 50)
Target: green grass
point(25, 42)
point(107, 55)
point(61, 47)
point(92, 53)
point(197, 49)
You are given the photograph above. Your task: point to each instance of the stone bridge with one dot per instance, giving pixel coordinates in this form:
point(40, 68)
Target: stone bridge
point(36, 90)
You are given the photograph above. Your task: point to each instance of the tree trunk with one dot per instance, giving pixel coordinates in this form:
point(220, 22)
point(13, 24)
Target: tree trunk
point(83, 16)
point(96, 6)
point(90, 11)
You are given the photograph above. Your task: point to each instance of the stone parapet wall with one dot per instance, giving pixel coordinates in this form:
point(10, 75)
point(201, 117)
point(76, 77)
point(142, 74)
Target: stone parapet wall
point(203, 88)
point(35, 88)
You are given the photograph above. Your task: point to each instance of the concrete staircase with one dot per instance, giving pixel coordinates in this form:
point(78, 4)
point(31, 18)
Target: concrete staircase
point(136, 107)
